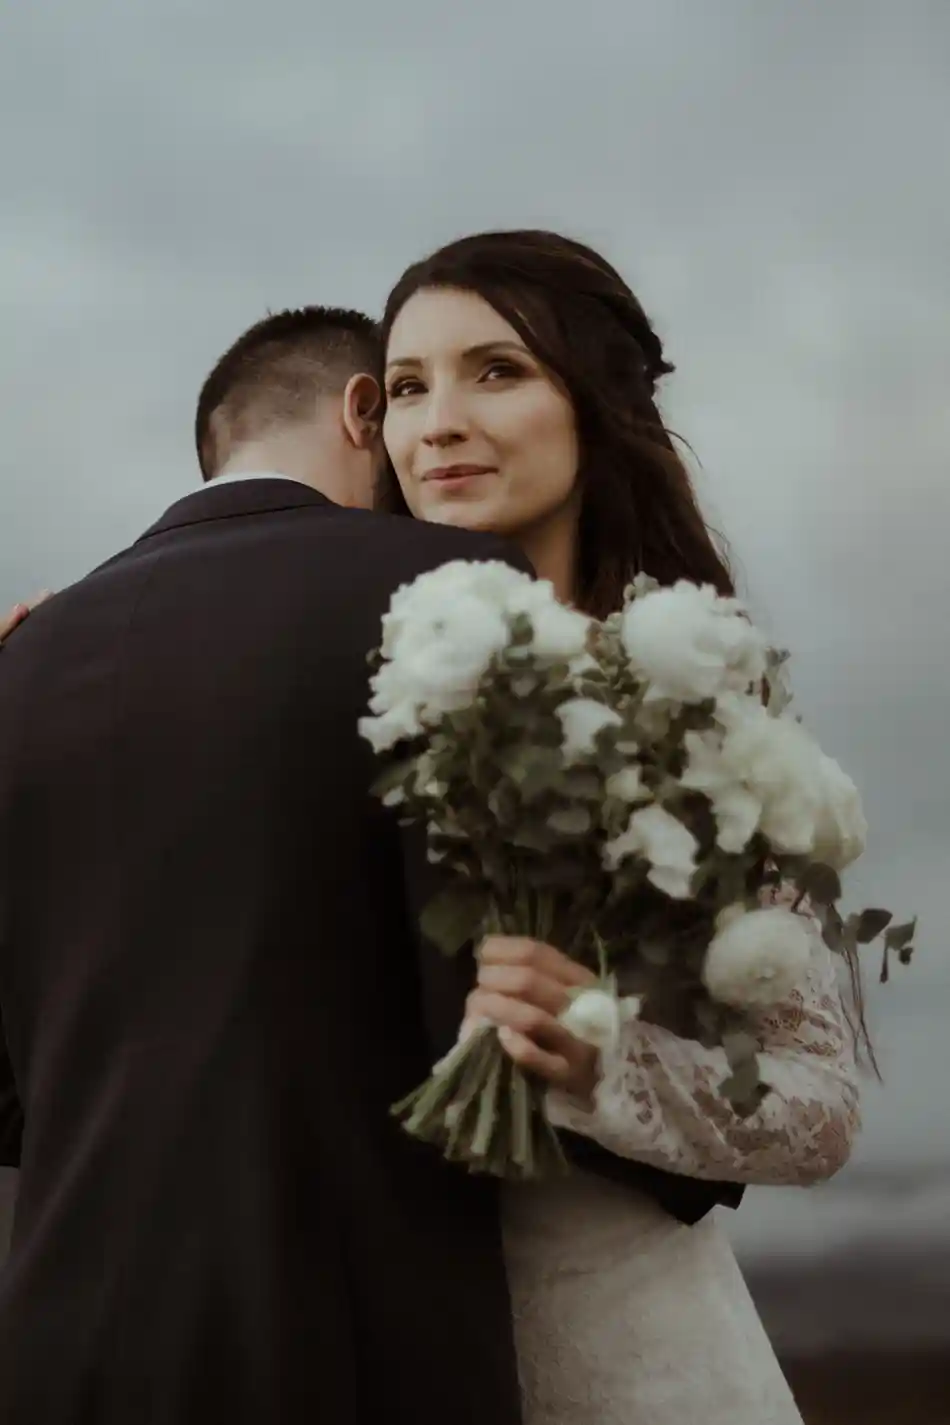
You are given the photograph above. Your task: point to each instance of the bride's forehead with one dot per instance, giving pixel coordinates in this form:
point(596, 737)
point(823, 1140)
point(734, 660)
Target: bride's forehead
point(446, 322)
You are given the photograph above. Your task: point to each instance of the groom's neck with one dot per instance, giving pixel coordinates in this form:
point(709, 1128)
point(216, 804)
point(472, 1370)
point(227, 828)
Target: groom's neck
point(299, 454)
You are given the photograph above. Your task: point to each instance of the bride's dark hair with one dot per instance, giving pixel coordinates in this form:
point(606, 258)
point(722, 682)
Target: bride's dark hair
point(580, 319)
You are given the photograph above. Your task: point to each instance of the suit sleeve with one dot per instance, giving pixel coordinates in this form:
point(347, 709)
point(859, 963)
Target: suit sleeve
point(11, 1112)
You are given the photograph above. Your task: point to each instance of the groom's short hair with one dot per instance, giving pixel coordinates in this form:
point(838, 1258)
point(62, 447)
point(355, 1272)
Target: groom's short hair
point(274, 373)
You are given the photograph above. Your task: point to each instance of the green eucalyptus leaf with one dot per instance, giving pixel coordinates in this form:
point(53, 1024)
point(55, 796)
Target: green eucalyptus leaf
point(821, 883)
point(744, 1089)
point(532, 837)
point(870, 924)
point(571, 821)
point(741, 1047)
point(655, 952)
point(453, 918)
point(395, 777)
point(898, 937)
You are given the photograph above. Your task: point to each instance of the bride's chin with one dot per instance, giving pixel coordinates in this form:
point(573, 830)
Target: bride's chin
point(462, 517)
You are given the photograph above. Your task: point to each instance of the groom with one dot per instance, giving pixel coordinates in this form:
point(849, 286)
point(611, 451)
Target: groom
point(209, 984)
point(210, 987)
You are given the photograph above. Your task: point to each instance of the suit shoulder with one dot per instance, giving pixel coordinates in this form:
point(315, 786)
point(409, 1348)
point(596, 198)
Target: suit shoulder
point(420, 546)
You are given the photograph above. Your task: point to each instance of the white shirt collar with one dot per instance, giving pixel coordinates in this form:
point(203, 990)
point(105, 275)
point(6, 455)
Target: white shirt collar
point(253, 475)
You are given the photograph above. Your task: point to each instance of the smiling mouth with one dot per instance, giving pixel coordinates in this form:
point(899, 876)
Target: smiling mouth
point(457, 474)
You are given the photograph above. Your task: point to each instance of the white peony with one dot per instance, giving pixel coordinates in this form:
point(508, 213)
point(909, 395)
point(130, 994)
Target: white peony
point(761, 774)
point(757, 957)
point(581, 720)
point(691, 644)
point(440, 636)
point(665, 843)
point(442, 632)
point(437, 662)
point(431, 597)
point(560, 634)
point(842, 829)
point(768, 774)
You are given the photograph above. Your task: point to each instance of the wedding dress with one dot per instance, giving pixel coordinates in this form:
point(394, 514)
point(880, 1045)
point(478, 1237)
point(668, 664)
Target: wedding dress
point(626, 1317)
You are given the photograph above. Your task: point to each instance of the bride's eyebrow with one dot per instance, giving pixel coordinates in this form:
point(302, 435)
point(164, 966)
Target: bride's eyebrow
point(484, 348)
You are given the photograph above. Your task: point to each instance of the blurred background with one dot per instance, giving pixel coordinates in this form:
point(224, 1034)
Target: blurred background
point(771, 177)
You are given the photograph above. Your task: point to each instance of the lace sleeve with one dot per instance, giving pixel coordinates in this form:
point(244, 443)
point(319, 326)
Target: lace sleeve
point(658, 1100)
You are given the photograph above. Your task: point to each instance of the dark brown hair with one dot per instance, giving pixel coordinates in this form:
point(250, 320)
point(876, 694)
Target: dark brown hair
point(274, 373)
point(580, 319)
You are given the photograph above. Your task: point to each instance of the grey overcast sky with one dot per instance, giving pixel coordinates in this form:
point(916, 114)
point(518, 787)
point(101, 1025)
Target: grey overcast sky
point(772, 179)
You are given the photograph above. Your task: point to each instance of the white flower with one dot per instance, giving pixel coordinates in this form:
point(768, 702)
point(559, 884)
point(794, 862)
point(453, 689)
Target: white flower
point(581, 720)
point(431, 597)
point(665, 843)
point(737, 809)
point(560, 634)
point(440, 636)
point(691, 644)
point(842, 828)
point(596, 1016)
point(394, 725)
point(627, 785)
point(757, 957)
point(766, 774)
point(593, 1016)
point(442, 632)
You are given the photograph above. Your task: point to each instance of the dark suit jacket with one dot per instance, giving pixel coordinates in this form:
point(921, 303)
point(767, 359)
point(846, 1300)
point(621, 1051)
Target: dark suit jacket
point(211, 993)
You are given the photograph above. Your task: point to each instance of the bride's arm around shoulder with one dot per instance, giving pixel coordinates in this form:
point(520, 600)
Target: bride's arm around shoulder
point(658, 1099)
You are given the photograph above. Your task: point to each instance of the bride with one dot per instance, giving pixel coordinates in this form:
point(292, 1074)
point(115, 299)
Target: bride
point(520, 379)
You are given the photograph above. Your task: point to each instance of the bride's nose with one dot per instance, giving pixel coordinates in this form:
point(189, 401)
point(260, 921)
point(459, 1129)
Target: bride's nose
point(446, 422)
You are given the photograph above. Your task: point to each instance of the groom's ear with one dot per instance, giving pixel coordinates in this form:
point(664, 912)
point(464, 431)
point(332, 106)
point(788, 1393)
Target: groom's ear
point(362, 409)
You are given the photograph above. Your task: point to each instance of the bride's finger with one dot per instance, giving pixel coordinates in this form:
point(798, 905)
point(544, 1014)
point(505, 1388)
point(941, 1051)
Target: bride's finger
point(20, 611)
point(530, 1057)
point(525, 984)
point(9, 622)
point(536, 957)
point(528, 1020)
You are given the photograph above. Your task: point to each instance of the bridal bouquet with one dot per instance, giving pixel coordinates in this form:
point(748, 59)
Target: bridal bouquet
point(628, 790)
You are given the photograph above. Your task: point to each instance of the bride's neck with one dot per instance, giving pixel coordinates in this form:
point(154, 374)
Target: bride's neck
point(552, 550)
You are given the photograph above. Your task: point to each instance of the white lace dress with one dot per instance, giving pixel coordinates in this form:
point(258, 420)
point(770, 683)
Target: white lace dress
point(624, 1316)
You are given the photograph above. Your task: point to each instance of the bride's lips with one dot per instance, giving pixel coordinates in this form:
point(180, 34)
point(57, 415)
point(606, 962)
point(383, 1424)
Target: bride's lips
point(449, 476)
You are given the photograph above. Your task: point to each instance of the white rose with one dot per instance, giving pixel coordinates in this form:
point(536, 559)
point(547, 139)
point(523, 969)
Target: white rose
point(665, 843)
point(596, 1016)
point(691, 644)
point(593, 1016)
point(757, 957)
point(581, 721)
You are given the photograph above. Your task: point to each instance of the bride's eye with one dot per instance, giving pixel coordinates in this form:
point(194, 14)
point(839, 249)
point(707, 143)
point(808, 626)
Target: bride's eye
point(501, 370)
point(405, 386)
